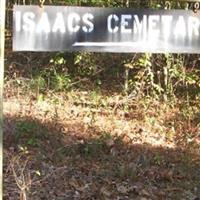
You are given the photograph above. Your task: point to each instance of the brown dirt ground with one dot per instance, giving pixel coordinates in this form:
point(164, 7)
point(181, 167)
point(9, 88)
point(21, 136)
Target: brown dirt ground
point(67, 146)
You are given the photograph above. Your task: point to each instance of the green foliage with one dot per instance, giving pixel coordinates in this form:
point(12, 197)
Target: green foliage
point(144, 75)
point(86, 63)
point(28, 132)
point(143, 81)
point(60, 82)
point(54, 77)
point(95, 146)
point(38, 84)
point(158, 159)
point(162, 75)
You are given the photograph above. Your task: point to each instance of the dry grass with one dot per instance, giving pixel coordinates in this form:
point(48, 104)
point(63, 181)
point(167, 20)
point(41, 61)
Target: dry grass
point(86, 145)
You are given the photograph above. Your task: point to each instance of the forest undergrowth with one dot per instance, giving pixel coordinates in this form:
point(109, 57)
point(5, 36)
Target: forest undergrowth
point(81, 126)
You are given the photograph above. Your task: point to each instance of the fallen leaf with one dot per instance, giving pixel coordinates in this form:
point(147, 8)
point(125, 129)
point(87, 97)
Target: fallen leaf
point(110, 142)
point(105, 192)
point(167, 175)
point(144, 192)
point(123, 189)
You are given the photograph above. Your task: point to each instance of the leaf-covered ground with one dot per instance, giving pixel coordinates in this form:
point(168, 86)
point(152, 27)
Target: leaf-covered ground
point(89, 145)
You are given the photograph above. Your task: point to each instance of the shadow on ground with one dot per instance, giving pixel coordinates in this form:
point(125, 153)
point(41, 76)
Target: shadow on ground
point(63, 164)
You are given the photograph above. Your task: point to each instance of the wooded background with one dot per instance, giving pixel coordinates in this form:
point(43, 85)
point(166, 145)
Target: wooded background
point(157, 75)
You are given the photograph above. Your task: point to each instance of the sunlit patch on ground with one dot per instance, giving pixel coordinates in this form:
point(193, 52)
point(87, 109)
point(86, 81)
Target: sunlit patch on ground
point(72, 148)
